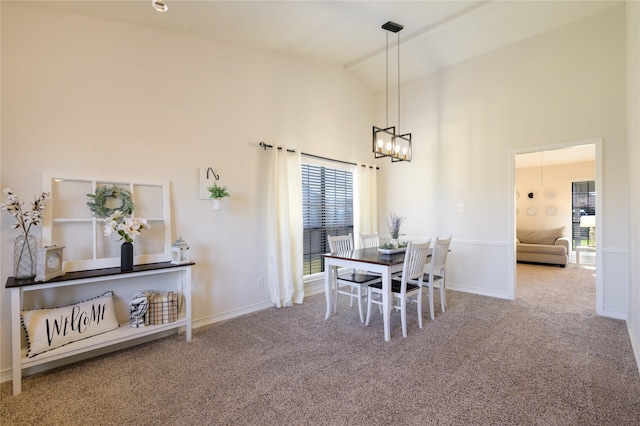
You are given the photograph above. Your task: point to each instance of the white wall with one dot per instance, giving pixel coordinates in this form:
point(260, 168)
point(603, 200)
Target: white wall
point(633, 129)
point(565, 85)
point(102, 99)
point(556, 178)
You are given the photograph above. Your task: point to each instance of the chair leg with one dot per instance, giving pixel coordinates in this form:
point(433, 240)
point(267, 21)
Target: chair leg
point(431, 301)
point(419, 303)
point(360, 308)
point(368, 306)
point(443, 296)
point(403, 315)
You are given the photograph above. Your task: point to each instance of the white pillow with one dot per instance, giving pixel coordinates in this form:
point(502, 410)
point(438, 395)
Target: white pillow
point(48, 329)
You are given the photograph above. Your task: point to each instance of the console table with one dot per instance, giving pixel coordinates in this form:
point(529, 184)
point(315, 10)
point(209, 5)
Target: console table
point(122, 334)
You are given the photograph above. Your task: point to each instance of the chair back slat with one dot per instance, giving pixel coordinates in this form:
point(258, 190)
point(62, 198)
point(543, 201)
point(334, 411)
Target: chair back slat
point(440, 251)
point(414, 260)
point(370, 240)
point(338, 243)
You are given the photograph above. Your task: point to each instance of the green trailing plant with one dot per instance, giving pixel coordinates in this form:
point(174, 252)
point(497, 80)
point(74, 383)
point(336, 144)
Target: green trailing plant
point(216, 192)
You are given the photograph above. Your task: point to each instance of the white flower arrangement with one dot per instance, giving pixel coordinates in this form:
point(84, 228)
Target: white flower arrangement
point(25, 220)
point(127, 227)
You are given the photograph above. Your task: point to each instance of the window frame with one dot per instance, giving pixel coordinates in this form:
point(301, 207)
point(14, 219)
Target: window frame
point(104, 250)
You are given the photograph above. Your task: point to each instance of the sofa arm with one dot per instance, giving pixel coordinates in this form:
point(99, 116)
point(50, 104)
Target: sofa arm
point(564, 242)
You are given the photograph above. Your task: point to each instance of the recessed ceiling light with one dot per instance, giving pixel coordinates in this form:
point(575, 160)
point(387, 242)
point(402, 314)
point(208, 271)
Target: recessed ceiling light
point(159, 5)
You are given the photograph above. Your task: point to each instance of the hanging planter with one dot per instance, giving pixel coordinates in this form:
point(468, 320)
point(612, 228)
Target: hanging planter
point(217, 193)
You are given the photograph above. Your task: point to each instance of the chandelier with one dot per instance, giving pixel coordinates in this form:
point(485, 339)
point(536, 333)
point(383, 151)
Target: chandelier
point(386, 141)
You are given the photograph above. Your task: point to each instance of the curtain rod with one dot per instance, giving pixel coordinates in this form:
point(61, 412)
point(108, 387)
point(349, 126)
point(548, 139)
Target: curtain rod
point(265, 146)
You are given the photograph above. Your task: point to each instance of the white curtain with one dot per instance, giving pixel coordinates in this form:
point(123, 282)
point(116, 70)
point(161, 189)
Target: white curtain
point(285, 249)
point(365, 201)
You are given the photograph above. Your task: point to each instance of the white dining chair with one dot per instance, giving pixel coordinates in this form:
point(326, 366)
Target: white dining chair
point(435, 270)
point(353, 283)
point(369, 240)
point(402, 290)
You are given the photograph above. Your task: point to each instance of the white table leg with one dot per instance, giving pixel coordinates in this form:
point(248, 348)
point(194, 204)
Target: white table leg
point(327, 285)
point(16, 341)
point(386, 303)
point(577, 257)
point(186, 290)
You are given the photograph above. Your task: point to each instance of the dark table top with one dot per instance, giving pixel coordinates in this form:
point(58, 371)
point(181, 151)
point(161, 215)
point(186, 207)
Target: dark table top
point(94, 273)
point(369, 255)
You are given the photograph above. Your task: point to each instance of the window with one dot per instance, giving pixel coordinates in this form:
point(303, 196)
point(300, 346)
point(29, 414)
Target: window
point(327, 209)
point(583, 203)
point(69, 222)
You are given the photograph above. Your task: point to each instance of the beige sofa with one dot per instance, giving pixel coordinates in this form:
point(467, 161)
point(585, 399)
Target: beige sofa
point(542, 246)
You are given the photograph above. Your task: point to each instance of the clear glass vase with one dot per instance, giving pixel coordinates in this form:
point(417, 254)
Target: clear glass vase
point(24, 257)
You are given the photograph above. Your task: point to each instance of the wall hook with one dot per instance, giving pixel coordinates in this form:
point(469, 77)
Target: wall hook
point(209, 169)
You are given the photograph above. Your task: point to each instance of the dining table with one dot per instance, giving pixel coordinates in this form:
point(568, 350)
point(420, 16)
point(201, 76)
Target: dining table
point(370, 260)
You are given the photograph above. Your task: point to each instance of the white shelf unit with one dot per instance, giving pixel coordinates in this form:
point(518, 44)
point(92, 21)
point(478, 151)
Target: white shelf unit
point(122, 334)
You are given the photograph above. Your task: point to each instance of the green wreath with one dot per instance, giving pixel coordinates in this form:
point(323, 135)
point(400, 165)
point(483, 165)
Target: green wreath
point(99, 204)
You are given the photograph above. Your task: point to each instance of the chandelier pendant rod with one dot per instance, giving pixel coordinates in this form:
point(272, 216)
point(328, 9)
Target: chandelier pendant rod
point(386, 79)
point(398, 86)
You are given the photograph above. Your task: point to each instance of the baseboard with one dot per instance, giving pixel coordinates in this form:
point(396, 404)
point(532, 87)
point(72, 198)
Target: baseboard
point(212, 319)
point(475, 290)
point(634, 335)
point(614, 315)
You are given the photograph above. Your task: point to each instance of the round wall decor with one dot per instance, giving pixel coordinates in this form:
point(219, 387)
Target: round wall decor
point(102, 196)
point(531, 211)
point(552, 210)
point(550, 194)
point(532, 195)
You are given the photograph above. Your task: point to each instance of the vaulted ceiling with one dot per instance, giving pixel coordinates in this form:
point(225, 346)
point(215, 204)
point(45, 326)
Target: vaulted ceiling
point(436, 34)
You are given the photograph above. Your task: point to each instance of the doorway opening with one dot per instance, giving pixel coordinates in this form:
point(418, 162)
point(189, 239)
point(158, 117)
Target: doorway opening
point(542, 186)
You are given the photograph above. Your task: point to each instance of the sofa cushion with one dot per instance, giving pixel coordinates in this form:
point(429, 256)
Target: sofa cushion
point(539, 236)
point(542, 249)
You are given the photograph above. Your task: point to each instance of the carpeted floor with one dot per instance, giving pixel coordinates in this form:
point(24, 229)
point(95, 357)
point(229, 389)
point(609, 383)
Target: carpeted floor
point(543, 359)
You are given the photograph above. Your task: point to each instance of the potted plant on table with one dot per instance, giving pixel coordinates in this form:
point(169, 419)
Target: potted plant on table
point(128, 228)
point(393, 223)
point(217, 193)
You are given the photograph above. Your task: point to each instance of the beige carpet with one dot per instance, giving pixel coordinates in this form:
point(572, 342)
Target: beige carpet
point(543, 359)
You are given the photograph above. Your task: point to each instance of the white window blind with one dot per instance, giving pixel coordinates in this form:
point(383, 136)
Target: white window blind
point(327, 203)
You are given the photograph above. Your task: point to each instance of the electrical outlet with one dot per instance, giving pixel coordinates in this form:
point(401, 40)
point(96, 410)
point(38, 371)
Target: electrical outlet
point(260, 282)
point(461, 207)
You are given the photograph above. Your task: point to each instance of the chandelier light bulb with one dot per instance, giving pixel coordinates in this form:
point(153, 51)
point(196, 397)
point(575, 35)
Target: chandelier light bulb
point(159, 5)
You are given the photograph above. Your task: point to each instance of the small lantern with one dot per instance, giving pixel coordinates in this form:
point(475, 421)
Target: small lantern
point(180, 252)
